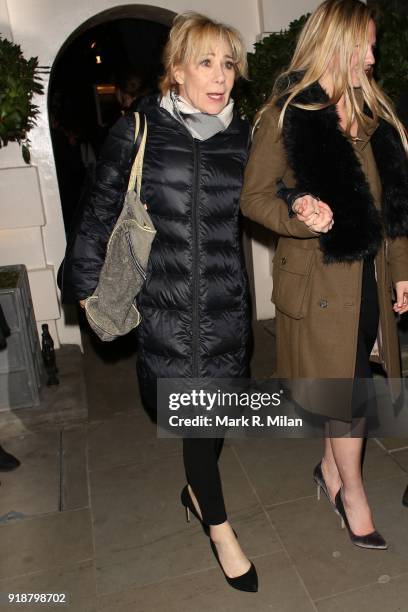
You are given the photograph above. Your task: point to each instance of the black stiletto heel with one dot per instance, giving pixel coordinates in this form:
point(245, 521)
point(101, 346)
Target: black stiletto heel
point(189, 507)
point(246, 582)
point(370, 540)
point(321, 484)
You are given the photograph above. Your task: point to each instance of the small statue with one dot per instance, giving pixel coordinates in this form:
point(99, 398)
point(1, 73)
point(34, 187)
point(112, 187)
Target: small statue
point(48, 355)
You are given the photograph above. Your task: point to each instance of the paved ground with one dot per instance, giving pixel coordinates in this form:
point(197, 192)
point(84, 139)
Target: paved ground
point(101, 519)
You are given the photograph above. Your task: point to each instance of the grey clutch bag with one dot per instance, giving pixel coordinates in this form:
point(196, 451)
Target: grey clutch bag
point(111, 310)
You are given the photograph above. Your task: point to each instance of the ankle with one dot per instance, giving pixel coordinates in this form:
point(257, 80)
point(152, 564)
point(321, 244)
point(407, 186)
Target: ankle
point(330, 468)
point(354, 494)
point(331, 475)
point(221, 533)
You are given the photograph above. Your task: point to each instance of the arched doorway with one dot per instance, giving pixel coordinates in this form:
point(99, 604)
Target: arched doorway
point(108, 61)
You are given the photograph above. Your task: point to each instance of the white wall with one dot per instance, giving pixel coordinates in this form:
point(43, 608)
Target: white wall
point(5, 30)
point(29, 225)
point(277, 14)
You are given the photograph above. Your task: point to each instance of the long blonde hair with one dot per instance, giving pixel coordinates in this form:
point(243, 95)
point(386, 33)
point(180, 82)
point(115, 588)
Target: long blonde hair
point(332, 32)
point(192, 35)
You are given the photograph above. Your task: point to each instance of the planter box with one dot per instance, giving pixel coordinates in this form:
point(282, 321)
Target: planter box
point(21, 366)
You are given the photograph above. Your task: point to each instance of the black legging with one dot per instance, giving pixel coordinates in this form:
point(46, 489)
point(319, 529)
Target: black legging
point(201, 464)
point(367, 333)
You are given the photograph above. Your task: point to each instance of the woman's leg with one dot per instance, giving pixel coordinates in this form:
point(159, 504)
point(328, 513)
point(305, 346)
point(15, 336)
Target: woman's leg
point(342, 460)
point(201, 464)
point(347, 454)
point(329, 467)
point(334, 431)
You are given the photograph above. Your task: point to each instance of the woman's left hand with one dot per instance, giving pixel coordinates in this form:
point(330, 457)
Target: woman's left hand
point(401, 289)
point(318, 218)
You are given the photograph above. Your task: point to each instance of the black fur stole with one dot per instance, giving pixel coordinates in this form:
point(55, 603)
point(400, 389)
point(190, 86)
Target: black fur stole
point(325, 164)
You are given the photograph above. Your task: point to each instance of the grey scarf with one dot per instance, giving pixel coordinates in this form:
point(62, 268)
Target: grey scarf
point(200, 125)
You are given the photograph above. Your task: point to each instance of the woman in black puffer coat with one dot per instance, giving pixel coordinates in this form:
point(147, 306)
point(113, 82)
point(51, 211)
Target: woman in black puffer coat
point(194, 303)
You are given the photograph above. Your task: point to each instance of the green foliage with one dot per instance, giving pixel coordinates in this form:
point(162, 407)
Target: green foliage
point(272, 56)
point(18, 83)
point(392, 65)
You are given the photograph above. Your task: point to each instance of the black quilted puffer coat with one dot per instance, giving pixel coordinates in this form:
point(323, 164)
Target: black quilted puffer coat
point(194, 303)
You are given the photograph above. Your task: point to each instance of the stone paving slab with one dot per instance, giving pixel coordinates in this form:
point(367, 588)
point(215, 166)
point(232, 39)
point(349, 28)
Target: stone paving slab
point(45, 542)
point(325, 557)
point(62, 405)
point(281, 590)
point(104, 519)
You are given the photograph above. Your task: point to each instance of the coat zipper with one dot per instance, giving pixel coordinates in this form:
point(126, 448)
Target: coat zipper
point(194, 217)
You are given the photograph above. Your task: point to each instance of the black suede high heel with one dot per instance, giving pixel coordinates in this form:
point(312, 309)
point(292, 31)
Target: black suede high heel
point(246, 582)
point(370, 540)
point(189, 507)
point(321, 484)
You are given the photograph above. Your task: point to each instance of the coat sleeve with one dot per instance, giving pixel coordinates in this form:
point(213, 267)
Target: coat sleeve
point(266, 165)
point(87, 247)
point(398, 259)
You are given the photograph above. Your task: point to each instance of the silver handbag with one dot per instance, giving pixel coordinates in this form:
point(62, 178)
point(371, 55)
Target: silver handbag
point(111, 310)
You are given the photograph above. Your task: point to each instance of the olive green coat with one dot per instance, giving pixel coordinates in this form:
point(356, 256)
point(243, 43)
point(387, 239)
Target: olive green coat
point(318, 304)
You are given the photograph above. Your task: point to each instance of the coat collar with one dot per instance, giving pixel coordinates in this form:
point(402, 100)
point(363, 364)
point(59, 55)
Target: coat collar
point(315, 94)
point(150, 106)
point(325, 164)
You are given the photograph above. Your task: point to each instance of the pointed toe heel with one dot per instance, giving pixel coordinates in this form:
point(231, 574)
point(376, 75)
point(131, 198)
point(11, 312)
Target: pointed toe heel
point(246, 582)
point(373, 540)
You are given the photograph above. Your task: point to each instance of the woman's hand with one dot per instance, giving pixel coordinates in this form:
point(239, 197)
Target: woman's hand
point(317, 215)
point(305, 206)
point(82, 303)
point(401, 289)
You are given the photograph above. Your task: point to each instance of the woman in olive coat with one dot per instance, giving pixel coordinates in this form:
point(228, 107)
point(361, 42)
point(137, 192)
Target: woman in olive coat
point(328, 174)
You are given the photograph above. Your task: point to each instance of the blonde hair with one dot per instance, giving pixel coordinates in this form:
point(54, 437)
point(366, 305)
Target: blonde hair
point(193, 35)
point(333, 31)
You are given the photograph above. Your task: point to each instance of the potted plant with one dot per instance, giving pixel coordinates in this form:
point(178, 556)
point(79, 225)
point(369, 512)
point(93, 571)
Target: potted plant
point(19, 82)
point(271, 56)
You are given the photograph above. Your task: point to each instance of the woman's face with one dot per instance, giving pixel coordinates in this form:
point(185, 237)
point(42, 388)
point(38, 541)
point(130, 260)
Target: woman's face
point(369, 59)
point(206, 83)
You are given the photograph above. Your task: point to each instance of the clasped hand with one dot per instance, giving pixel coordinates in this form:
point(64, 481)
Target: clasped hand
point(317, 215)
point(401, 291)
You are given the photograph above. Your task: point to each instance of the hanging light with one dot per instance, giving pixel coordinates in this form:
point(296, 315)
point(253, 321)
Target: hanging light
point(98, 59)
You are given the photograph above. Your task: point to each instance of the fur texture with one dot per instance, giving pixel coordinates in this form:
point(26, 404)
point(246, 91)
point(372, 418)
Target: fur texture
point(326, 166)
point(392, 163)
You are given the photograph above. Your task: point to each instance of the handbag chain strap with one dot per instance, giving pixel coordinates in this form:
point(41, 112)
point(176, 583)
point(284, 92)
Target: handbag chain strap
point(137, 168)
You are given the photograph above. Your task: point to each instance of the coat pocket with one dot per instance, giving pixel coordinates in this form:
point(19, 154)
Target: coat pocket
point(291, 274)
